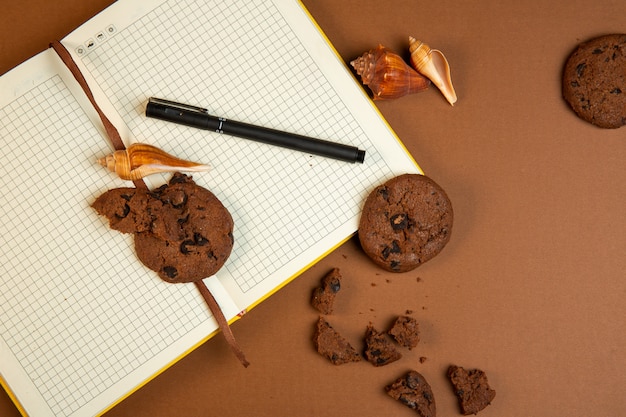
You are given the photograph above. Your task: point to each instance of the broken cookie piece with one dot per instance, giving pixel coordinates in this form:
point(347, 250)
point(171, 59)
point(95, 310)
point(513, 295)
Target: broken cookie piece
point(405, 330)
point(471, 388)
point(379, 351)
point(413, 391)
point(332, 345)
point(323, 298)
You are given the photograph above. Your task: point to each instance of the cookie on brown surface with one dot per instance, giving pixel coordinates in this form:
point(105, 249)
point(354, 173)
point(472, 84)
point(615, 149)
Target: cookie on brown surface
point(405, 330)
point(379, 351)
point(332, 345)
point(405, 222)
point(594, 81)
point(471, 388)
point(413, 391)
point(323, 297)
point(182, 231)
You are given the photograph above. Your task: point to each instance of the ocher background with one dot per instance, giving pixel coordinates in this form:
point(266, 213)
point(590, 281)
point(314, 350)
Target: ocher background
point(531, 287)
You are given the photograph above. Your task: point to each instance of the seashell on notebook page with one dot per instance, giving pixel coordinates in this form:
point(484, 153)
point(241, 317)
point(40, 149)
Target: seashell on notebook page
point(140, 160)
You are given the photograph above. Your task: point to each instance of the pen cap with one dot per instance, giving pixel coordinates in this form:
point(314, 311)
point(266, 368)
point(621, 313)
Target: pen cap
point(173, 112)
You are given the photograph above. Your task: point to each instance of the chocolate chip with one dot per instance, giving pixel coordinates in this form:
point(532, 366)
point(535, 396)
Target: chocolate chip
point(170, 271)
point(413, 381)
point(125, 212)
point(597, 51)
point(580, 69)
point(394, 248)
point(200, 240)
point(184, 246)
point(179, 178)
point(384, 193)
point(399, 221)
point(158, 191)
point(334, 285)
point(408, 402)
point(616, 90)
point(395, 265)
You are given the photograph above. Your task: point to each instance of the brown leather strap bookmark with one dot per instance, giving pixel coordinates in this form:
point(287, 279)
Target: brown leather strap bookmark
point(111, 130)
point(222, 322)
point(117, 143)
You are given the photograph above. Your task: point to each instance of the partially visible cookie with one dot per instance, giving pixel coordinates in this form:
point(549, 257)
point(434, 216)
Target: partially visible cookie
point(330, 344)
point(405, 222)
point(379, 350)
point(405, 330)
point(182, 231)
point(323, 298)
point(471, 388)
point(413, 391)
point(594, 81)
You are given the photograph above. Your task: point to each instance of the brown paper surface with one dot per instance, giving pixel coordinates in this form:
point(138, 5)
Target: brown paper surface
point(531, 287)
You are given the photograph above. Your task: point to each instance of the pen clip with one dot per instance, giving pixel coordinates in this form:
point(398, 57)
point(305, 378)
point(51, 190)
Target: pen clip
point(177, 106)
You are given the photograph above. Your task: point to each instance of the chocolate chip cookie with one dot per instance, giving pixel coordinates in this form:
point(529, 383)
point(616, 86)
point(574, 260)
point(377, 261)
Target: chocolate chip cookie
point(594, 81)
point(181, 230)
point(405, 222)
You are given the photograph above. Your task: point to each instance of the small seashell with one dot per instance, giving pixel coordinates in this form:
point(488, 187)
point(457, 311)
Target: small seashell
point(434, 65)
point(140, 160)
point(387, 75)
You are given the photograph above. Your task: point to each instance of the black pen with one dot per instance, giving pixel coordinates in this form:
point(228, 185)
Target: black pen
point(199, 117)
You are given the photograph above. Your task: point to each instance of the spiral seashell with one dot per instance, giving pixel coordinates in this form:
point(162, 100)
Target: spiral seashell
point(140, 160)
point(387, 75)
point(434, 65)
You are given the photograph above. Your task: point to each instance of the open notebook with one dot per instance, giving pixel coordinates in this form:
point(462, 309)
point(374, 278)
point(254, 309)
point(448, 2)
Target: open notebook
point(82, 322)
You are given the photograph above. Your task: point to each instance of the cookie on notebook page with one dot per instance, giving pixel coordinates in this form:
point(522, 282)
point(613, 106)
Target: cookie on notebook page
point(405, 222)
point(594, 81)
point(471, 388)
point(413, 390)
point(181, 230)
